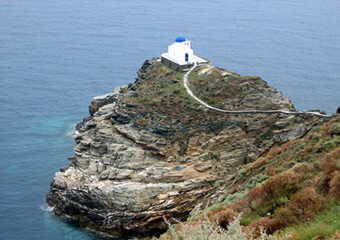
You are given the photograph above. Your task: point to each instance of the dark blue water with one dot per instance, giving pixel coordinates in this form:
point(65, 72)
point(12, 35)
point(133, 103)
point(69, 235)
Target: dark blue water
point(55, 55)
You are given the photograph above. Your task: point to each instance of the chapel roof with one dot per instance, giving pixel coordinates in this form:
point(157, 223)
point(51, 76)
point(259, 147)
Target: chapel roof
point(180, 39)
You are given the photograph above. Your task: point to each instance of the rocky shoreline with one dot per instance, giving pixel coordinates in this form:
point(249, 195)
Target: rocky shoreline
point(133, 166)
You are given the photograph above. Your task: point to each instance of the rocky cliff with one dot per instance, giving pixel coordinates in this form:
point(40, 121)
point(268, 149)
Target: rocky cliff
point(150, 151)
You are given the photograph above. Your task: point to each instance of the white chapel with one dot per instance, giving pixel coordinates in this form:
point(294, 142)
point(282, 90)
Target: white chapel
point(180, 56)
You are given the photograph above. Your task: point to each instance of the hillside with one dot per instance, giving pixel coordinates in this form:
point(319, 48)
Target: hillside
point(149, 151)
point(293, 189)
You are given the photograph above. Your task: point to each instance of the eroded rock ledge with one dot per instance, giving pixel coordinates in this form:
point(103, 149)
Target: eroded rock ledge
point(144, 154)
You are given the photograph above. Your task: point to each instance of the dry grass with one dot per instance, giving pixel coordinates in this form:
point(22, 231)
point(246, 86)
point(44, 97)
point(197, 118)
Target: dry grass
point(331, 162)
point(256, 165)
point(256, 228)
point(271, 171)
point(306, 203)
point(222, 217)
point(281, 184)
point(334, 185)
point(335, 236)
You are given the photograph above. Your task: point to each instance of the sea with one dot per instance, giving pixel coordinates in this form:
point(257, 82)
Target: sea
point(55, 55)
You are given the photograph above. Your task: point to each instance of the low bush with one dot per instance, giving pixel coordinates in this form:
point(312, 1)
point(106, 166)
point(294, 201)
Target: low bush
point(206, 230)
point(248, 217)
point(271, 171)
point(279, 150)
point(305, 203)
point(328, 182)
point(222, 217)
point(273, 194)
point(257, 227)
point(256, 165)
point(331, 162)
point(283, 184)
point(335, 129)
point(284, 217)
point(256, 193)
point(323, 226)
point(334, 185)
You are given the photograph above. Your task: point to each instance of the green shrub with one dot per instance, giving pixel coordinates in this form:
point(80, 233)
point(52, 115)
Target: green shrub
point(329, 145)
point(322, 227)
point(214, 155)
point(248, 217)
point(282, 184)
point(335, 129)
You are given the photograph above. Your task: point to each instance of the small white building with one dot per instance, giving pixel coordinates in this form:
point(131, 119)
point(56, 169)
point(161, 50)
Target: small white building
point(180, 56)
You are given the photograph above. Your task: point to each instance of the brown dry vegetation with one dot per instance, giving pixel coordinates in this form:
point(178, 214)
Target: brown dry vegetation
point(222, 217)
point(336, 236)
point(304, 180)
point(334, 185)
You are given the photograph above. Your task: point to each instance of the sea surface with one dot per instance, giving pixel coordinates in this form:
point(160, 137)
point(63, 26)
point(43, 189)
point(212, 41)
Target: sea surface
point(55, 55)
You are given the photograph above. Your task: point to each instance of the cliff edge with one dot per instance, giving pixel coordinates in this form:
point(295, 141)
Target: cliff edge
point(149, 150)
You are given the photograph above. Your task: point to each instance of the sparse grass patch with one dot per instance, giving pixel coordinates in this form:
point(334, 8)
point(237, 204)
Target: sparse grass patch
point(321, 227)
point(248, 217)
point(334, 184)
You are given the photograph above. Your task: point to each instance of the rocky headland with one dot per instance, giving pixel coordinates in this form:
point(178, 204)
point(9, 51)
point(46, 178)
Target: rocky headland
point(148, 150)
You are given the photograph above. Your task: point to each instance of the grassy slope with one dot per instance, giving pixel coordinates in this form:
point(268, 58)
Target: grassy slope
point(324, 225)
point(293, 188)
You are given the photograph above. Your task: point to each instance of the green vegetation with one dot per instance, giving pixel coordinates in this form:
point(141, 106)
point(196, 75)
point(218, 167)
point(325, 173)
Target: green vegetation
point(266, 135)
point(325, 225)
point(299, 195)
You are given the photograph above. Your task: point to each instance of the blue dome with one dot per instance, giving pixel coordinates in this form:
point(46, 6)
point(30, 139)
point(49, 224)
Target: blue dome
point(180, 39)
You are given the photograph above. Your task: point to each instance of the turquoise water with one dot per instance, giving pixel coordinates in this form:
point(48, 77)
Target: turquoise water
point(56, 55)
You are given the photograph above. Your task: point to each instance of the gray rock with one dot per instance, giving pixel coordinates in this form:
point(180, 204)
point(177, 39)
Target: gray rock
point(102, 100)
point(117, 117)
point(124, 174)
point(64, 169)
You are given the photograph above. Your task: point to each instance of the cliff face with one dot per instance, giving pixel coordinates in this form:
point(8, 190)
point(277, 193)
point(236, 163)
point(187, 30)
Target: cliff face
point(150, 151)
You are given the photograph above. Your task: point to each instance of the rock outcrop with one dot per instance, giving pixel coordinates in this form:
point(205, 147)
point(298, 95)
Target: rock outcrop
point(140, 157)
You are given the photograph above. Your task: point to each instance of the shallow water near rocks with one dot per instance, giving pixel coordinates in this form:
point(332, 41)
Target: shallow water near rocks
point(56, 55)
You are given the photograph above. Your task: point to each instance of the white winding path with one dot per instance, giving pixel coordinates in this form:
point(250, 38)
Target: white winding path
point(206, 105)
